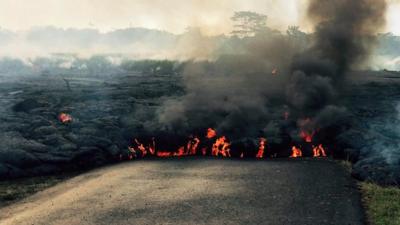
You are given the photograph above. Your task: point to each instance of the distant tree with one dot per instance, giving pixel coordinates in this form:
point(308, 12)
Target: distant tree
point(294, 31)
point(248, 23)
point(297, 37)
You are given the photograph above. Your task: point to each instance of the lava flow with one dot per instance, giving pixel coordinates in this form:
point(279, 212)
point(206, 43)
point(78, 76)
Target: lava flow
point(260, 153)
point(221, 147)
point(65, 118)
point(319, 151)
point(296, 152)
point(218, 146)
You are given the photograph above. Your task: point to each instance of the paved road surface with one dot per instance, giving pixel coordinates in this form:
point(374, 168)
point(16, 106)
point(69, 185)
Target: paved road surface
point(198, 191)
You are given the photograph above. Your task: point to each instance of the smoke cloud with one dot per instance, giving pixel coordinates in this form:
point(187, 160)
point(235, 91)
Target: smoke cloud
point(240, 96)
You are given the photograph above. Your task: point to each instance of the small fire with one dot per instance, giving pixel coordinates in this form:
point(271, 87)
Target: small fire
point(211, 133)
point(65, 118)
point(221, 147)
point(305, 132)
point(260, 153)
point(319, 151)
point(307, 136)
point(296, 152)
point(192, 146)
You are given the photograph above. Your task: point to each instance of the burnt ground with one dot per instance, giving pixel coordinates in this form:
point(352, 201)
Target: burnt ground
point(109, 111)
point(198, 191)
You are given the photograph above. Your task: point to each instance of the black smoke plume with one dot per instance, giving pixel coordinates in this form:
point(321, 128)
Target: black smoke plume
point(344, 35)
point(238, 96)
point(276, 88)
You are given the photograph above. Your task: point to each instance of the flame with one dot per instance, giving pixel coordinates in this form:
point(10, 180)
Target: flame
point(305, 133)
point(192, 146)
point(319, 151)
point(211, 133)
point(221, 147)
point(65, 118)
point(307, 136)
point(260, 153)
point(296, 152)
point(164, 154)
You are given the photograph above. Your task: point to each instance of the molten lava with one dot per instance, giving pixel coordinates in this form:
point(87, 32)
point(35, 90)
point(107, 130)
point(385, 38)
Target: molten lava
point(319, 151)
point(211, 144)
point(307, 136)
point(65, 118)
point(260, 153)
point(211, 133)
point(296, 152)
point(221, 147)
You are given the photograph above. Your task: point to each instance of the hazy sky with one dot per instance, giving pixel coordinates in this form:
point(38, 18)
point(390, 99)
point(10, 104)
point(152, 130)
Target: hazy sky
point(170, 15)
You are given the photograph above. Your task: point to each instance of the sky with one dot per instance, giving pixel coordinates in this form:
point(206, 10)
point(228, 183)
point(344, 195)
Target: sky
point(171, 15)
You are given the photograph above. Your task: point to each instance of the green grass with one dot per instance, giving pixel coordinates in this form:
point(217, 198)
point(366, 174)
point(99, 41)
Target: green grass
point(13, 190)
point(382, 204)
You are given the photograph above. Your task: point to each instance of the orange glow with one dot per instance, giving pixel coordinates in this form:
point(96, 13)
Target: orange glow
point(307, 137)
point(211, 133)
point(221, 147)
point(192, 146)
point(319, 151)
point(65, 118)
point(141, 148)
point(305, 132)
point(260, 153)
point(296, 152)
point(164, 154)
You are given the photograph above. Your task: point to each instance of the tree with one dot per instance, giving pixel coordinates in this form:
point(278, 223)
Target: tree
point(294, 31)
point(248, 23)
point(297, 37)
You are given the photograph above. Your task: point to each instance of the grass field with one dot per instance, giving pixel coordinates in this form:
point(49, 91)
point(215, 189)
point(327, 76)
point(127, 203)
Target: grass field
point(382, 204)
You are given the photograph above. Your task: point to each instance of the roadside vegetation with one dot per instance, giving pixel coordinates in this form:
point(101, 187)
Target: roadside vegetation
point(382, 204)
point(14, 190)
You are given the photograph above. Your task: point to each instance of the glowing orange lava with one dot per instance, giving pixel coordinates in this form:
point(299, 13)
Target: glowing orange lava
point(211, 133)
point(221, 147)
point(319, 151)
point(307, 136)
point(296, 152)
point(65, 118)
point(260, 153)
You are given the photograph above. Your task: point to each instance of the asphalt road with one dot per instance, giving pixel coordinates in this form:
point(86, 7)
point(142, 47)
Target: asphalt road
point(198, 191)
